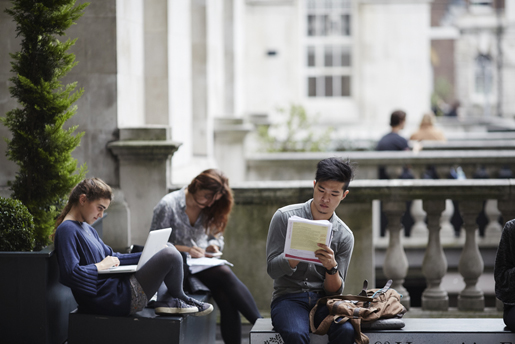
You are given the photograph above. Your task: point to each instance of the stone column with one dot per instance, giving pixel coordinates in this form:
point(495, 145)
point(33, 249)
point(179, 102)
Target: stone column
point(117, 224)
point(144, 155)
point(229, 147)
point(358, 216)
point(180, 78)
point(434, 266)
point(201, 124)
point(395, 263)
point(155, 18)
point(471, 263)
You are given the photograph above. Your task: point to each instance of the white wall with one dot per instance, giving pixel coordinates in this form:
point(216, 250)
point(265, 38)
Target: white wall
point(394, 61)
point(271, 81)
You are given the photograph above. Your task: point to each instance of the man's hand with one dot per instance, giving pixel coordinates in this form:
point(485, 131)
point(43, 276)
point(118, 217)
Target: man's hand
point(326, 256)
point(293, 262)
point(107, 263)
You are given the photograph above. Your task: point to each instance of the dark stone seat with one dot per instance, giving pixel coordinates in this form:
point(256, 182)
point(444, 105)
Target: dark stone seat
point(143, 327)
point(416, 330)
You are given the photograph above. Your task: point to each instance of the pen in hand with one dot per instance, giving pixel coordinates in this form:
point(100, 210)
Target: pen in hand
point(195, 251)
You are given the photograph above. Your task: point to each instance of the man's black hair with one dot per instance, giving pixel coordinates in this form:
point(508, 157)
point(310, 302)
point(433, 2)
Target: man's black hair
point(397, 117)
point(337, 169)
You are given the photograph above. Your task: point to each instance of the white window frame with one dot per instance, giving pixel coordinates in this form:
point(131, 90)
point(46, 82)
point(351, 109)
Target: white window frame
point(319, 44)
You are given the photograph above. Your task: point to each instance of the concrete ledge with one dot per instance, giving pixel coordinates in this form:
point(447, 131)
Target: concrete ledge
point(427, 331)
point(143, 327)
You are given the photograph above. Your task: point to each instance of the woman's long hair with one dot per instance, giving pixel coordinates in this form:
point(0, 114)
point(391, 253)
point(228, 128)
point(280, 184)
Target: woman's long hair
point(93, 188)
point(216, 216)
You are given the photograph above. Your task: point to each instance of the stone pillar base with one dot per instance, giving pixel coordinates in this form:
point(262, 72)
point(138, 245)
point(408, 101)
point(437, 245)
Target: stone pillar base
point(469, 304)
point(435, 304)
point(406, 301)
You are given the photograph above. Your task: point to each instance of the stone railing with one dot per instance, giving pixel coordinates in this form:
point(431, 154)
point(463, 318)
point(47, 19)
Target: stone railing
point(256, 202)
point(467, 145)
point(302, 166)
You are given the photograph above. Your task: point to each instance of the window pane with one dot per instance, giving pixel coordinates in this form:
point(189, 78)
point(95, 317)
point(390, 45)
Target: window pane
point(328, 86)
point(311, 56)
point(484, 74)
point(311, 25)
point(312, 87)
point(328, 56)
point(345, 24)
point(323, 21)
point(345, 86)
point(345, 58)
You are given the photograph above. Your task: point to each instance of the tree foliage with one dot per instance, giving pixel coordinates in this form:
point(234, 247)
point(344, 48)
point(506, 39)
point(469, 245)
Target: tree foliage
point(40, 145)
point(295, 133)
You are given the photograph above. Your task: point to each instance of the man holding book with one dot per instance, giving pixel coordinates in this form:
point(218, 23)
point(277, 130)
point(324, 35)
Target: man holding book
point(298, 284)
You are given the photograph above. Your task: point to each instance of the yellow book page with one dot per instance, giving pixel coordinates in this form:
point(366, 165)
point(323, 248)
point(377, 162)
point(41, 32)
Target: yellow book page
point(305, 236)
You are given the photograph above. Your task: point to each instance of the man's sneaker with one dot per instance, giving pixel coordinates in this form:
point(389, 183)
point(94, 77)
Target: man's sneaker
point(174, 306)
point(204, 308)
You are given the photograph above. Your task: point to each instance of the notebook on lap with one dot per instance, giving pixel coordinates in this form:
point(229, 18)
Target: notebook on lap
point(156, 241)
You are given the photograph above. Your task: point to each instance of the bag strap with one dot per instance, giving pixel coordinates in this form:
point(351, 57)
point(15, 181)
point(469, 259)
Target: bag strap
point(364, 289)
point(384, 289)
point(324, 325)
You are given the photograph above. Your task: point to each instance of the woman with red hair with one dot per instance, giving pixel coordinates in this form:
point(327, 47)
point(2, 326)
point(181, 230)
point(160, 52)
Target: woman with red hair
point(198, 215)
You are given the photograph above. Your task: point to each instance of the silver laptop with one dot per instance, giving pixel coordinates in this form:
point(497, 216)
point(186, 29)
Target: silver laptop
point(156, 241)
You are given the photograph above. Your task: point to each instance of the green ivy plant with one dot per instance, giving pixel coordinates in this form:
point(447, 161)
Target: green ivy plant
point(297, 133)
point(16, 226)
point(40, 145)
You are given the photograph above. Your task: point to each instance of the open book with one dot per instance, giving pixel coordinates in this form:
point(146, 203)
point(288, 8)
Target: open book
point(302, 237)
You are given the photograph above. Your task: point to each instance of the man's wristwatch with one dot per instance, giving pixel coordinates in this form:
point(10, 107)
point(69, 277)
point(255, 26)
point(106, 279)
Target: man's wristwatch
point(333, 270)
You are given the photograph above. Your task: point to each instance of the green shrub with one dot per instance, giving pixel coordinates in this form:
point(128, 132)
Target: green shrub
point(16, 226)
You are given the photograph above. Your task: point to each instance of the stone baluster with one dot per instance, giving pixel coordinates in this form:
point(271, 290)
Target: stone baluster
point(471, 263)
point(419, 229)
point(434, 266)
point(447, 229)
point(396, 263)
point(507, 209)
point(493, 229)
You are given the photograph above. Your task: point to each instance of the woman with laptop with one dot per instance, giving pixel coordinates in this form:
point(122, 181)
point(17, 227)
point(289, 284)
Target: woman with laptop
point(81, 254)
point(198, 215)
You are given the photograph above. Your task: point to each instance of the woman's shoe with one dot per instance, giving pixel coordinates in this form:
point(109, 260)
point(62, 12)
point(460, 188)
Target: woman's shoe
point(175, 306)
point(204, 308)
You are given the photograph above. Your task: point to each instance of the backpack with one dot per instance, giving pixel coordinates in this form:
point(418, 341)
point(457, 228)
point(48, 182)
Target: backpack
point(367, 306)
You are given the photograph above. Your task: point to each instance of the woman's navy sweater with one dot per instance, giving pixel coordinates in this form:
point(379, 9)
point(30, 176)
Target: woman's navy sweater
point(79, 248)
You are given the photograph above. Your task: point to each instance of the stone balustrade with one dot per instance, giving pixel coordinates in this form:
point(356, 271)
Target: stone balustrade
point(256, 202)
point(496, 144)
point(302, 166)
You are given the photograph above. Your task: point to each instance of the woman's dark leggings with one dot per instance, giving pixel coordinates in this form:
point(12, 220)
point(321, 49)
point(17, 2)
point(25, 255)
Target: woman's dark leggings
point(509, 317)
point(232, 298)
point(164, 272)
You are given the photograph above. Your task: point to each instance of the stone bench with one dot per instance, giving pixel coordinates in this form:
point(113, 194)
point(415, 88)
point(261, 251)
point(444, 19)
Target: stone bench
point(416, 331)
point(143, 327)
